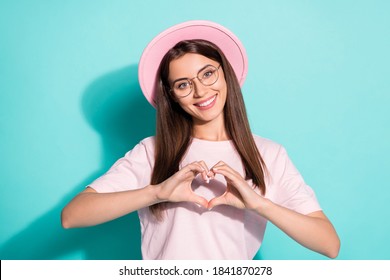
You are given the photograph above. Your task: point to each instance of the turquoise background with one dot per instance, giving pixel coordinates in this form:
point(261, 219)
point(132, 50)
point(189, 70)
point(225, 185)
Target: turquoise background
point(70, 105)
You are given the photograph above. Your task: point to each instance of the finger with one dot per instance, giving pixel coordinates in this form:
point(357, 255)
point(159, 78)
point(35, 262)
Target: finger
point(199, 200)
point(216, 201)
point(237, 185)
point(223, 165)
point(218, 164)
point(203, 164)
point(233, 178)
point(228, 172)
point(206, 171)
point(211, 174)
point(195, 168)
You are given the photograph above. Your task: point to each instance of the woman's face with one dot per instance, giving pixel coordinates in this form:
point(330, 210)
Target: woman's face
point(205, 103)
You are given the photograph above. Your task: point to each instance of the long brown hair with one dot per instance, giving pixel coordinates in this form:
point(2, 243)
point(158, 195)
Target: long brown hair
point(174, 125)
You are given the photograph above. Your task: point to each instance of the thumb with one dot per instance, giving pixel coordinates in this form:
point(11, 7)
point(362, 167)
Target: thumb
point(215, 202)
point(199, 200)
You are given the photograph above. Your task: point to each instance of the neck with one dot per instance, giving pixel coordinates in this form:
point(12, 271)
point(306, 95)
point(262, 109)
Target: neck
point(211, 131)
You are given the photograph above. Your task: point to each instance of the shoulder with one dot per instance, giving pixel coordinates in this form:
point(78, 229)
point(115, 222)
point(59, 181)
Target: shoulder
point(266, 145)
point(148, 142)
point(273, 153)
point(144, 148)
point(148, 145)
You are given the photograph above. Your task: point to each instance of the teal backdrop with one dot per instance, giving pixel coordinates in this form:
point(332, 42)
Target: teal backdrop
point(70, 105)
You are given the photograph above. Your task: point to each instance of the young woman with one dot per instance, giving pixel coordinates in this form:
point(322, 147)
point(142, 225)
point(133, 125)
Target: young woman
point(204, 186)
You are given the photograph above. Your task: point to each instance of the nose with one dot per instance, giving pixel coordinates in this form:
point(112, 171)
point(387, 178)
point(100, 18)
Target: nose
point(199, 89)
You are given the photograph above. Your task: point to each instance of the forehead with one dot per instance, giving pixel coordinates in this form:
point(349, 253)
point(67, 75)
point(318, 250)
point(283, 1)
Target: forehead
point(188, 65)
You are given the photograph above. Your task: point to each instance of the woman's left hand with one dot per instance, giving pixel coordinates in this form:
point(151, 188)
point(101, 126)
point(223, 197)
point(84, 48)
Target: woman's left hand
point(238, 192)
point(313, 230)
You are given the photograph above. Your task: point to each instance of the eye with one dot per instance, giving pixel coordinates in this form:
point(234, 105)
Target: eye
point(208, 73)
point(182, 85)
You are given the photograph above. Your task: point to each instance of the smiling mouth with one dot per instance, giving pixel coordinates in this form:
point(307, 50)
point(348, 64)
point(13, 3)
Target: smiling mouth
point(207, 102)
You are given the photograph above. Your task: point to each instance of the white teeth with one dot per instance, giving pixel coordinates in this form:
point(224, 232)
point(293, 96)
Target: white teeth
point(208, 102)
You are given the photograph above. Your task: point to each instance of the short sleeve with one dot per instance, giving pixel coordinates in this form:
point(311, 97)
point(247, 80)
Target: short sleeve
point(291, 190)
point(130, 172)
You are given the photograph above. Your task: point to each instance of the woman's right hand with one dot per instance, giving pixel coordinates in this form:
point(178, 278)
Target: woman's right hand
point(177, 188)
point(91, 208)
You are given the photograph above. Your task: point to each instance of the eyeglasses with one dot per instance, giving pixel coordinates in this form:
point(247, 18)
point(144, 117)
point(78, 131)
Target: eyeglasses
point(208, 76)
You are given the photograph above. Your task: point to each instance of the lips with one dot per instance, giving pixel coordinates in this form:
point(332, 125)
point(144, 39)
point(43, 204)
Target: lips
point(206, 103)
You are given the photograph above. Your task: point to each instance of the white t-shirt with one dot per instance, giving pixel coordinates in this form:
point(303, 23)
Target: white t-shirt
point(192, 232)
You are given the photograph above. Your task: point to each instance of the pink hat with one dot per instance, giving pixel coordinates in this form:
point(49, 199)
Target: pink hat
point(198, 29)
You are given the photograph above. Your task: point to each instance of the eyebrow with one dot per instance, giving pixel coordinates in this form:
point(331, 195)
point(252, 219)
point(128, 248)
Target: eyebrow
point(204, 67)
